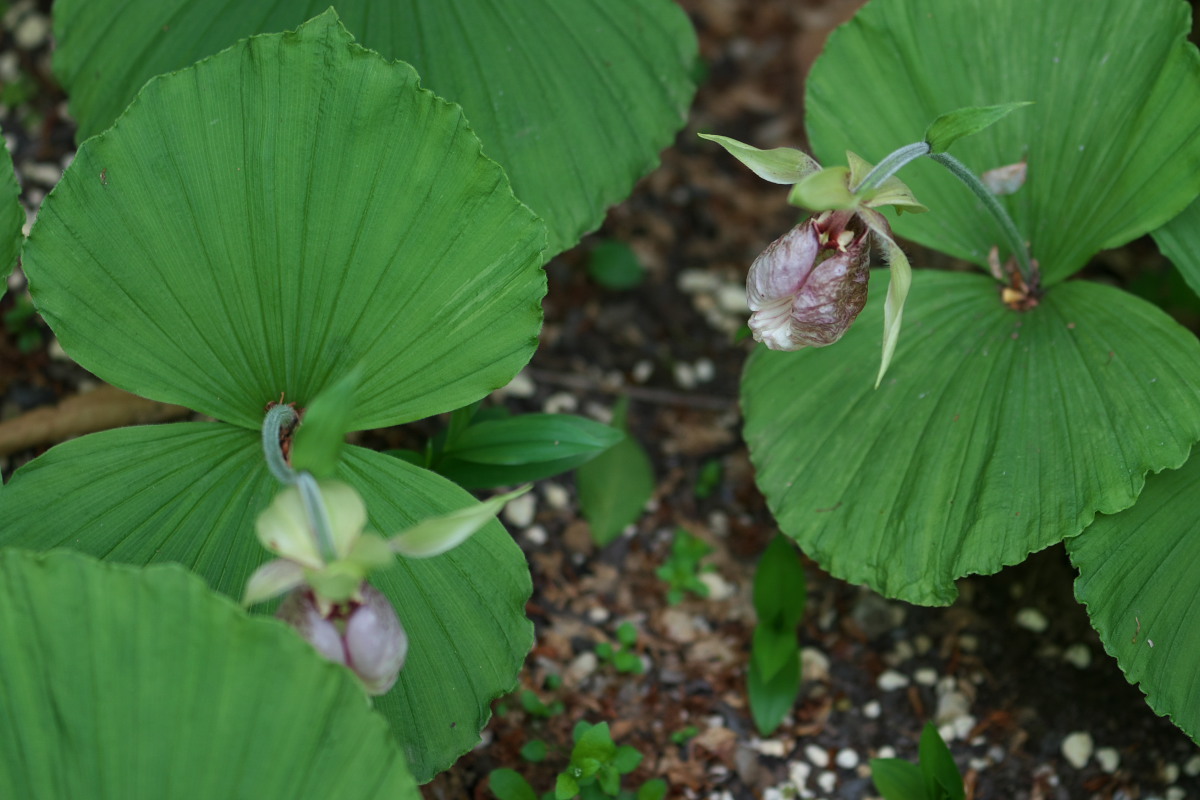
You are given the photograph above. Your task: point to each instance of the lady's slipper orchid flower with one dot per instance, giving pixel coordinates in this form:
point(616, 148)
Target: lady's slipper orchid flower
point(807, 288)
point(330, 601)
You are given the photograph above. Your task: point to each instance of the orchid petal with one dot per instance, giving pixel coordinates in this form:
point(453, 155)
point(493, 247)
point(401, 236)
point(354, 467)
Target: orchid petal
point(436, 535)
point(271, 580)
point(898, 285)
point(778, 165)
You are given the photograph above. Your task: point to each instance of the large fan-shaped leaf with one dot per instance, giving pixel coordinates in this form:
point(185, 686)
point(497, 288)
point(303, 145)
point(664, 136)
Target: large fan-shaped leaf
point(199, 487)
point(574, 98)
point(12, 216)
point(1112, 140)
point(259, 224)
point(1139, 577)
point(1179, 240)
point(143, 684)
point(995, 434)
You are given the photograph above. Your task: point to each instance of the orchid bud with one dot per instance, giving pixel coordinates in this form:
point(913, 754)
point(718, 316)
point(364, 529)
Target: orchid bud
point(362, 633)
point(809, 285)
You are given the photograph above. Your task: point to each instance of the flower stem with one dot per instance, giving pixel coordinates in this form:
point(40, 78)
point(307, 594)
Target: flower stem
point(1015, 242)
point(310, 494)
point(890, 165)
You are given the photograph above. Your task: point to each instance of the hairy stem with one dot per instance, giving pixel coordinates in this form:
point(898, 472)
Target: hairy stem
point(314, 506)
point(890, 165)
point(1015, 242)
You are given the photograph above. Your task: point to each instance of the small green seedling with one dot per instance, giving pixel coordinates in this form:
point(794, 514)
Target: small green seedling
point(684, 735)
point(934, 777)
point(594, 772)
point(682, 569)
point(780, 594)
point(623, 657)
point(536, 707)
point(708, 479)
point(614, 265)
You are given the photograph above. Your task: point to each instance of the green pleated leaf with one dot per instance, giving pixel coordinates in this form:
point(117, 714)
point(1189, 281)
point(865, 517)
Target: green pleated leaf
point(1179, 240)
point(1138, 579)
point(12, 216)
point(1112, 140)
point(575, 99)
point(318, 442)
point(259, 224)
point(190, 493)
point(143, 684)
point(995, 434)
point(614, 486)
point(897, 779)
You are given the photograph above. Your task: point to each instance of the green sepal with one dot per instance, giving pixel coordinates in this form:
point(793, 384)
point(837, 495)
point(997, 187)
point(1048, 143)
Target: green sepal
point(778, 165)
point(950, 127)
point(894, 192)
point(827, 190)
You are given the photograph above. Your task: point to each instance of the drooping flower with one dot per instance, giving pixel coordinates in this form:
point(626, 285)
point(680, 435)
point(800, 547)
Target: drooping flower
point(329, 601)
point(804, 294)
point(809, 285)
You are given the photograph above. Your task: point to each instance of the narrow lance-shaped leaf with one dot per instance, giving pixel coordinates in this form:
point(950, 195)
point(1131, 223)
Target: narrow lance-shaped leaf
point(318, 441)
point(942, 777)
point(900, 281)
point(949, 128)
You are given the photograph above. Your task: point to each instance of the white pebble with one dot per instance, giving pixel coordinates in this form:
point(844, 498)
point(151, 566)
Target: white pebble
point(1176, 793)
point(1191, 767)
point(1077, 749)
point(1033, 620)
point(693, 281)
point(642, 371)
point(598, 614)
point(1109, 759)
point(769, 747)
point(887, 751)
point(1078, 655)
point(968, 642)
point(922, 643)
point(827, 781)
point(814, 665)
point(892, 680)
point(731, 298)
point(718, 587)
point(798, 772)
point(560, 403)
point(520, 386)
point(926, 676)
point(519, 511)
point(685, 375)
point(705, 370)
point(902, 652)
point(536, 535)
point(32, 31)
point(846, 758)
point(872, 710)
point(556, 496)
point(817, 755)
point(1170, 772)
point(46, 174)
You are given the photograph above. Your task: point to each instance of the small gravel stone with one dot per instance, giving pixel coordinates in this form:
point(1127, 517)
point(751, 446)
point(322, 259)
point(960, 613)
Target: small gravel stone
point(731, 298)
point(968, 642)
point(705, 370)
point(519, 511)
point(1170, 772)
point(32, 31)
point(892, 680)
point(520, 386)
point(1175, 793)
point(817, 755)
point(556, 496)
point(769, 747)
point(1078, 655)
point(926, 676)
point(536, 535)
point(1032, 620)
point(1109, 759)
point(814, 665)
point(798, 772)
point(887, 751)
point(718, 587)
point(827, 781)
point(693, 281)
point(598, 615)
point(41, 173)
point(642, 371)
point(560, 403)
point(922, 643)
point(685, 375)
point(678, 625)
point(846, 758)
point(1077, 749)
point(872, 710)
point(580, 668)
point(1191, 767)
